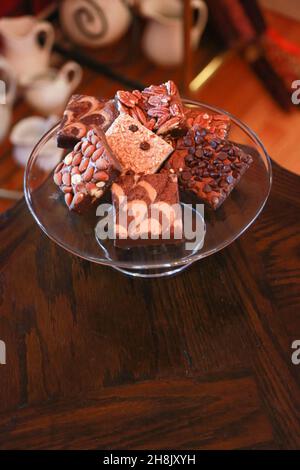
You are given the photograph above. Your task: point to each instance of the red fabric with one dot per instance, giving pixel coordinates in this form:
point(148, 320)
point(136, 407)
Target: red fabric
point(21, 7)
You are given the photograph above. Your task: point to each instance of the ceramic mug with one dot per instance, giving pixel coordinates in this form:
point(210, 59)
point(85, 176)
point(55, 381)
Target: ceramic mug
point(94, 23)
point(163, 40)
point(7, 96)
point(49, 92)
point(24, 136)
point(22, 47)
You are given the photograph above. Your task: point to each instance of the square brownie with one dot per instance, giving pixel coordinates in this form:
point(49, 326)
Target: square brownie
point(136, 147)
point(158, 107)
point(207, 166)
point(216, 124)
point(82, 114)
point(87, 172)
point(146, 210)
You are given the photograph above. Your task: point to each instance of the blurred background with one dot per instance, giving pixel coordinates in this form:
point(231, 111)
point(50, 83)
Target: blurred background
point(240, 55)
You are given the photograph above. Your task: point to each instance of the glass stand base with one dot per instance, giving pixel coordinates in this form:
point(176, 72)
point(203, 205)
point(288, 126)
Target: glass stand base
point(148, 273)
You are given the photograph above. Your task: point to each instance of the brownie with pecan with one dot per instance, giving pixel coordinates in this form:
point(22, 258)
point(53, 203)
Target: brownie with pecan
point(137, 148)
point(86, 172)
point(82, 114)
point(157, 107)
point(208, 166)
point(146, 210)
point(215, 124)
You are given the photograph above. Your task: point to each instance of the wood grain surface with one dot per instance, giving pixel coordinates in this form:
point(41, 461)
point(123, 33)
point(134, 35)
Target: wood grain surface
point(96, 360)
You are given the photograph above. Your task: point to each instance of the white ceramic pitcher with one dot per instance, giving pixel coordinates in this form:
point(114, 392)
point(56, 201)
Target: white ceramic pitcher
point(49, 92)
point(7, 96)
point(163, 40)
point(22, 47)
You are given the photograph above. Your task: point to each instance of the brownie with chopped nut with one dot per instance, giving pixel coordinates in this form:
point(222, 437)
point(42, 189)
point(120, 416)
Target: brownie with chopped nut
point(157, 107)
point(146, 210)
point(207, 166)
point(82, 114)
point(215, 124)
point(87, 172)
point(137, 148)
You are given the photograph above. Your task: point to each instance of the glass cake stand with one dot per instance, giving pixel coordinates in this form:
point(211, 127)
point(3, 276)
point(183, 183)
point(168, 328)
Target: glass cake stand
point(219, 228)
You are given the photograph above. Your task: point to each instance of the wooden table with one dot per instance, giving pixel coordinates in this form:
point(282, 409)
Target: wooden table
point(198, 361)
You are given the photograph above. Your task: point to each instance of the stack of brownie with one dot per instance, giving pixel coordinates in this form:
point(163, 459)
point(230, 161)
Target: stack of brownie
point(146, 146)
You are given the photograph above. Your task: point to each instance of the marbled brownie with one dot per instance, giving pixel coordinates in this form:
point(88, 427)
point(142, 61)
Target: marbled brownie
point(82, 114)
point(146, 210)
point(136, 147)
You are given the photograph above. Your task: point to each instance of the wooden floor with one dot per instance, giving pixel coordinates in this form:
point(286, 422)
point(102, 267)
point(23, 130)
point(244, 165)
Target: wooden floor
point(234, 87)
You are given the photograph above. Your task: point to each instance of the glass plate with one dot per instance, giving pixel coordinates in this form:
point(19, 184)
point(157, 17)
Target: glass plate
point(76, 234)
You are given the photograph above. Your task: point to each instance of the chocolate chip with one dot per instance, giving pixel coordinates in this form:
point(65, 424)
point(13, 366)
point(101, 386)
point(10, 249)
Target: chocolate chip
point(189, 159)
point(186, 175)
point(199, 153)
point(229, 179)
point(133, 128)
point(214, 174)
point(222, 156)
point(191, 150)
point(187, 142)
point(231, 152)
point(207, 152)
point(213, 144)
point(144, 145)
point(207, 188)
point(198, 139)
point(226, 148)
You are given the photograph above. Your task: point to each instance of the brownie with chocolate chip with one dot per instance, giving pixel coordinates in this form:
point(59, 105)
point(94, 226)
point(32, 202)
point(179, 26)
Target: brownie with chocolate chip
point(207, 166)
point(146, 210)
point(87, 172)
point(82, 114)
point(137, 148)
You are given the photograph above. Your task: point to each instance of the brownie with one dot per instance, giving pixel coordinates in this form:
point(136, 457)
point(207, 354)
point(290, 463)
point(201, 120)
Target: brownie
point(207, 166)
point(87, 172)
point(137, 148)
point(158, 107)
point(150, 204)
point(82, 114)
point(216, 124)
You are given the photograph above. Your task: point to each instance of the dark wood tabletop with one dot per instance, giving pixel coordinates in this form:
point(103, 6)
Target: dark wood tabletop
point(97, 360)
